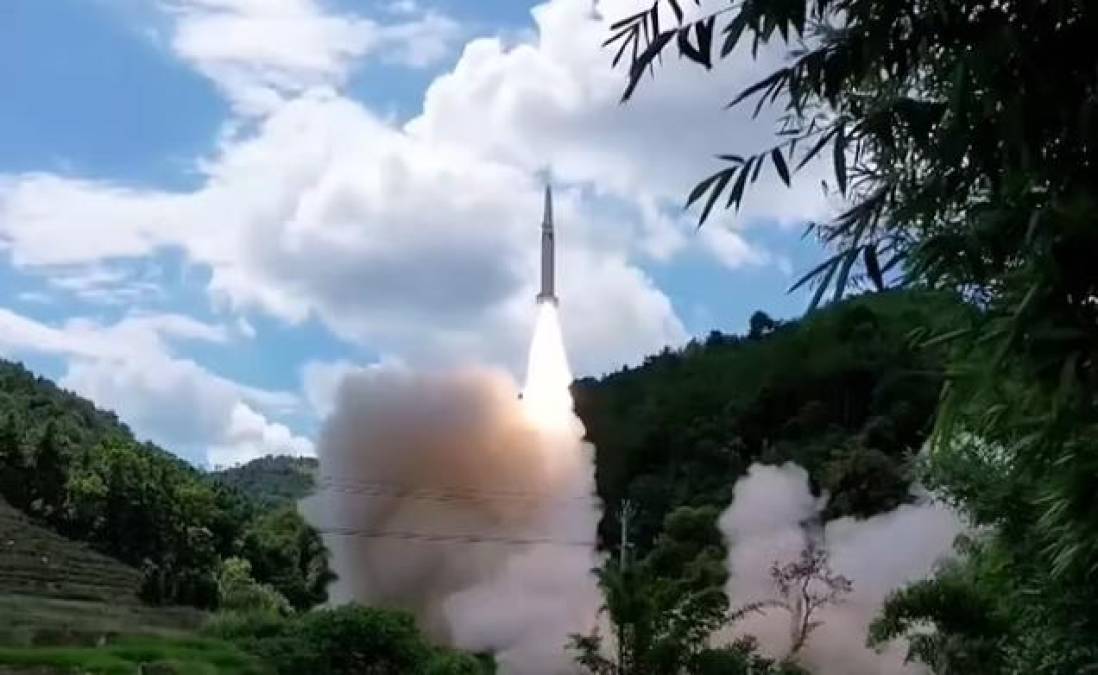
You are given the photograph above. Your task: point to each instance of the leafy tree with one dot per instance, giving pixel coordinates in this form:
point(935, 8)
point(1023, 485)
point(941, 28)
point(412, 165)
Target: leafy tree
point(48, 475)
point(272, 480)
point(742, 658)
point(346, 640)
point(863, 481)
point(760, 324)
point(660, 623)
point(13, 470)
point(288, 554)
point(949, 624)
point(238, 591)
point(446, 662)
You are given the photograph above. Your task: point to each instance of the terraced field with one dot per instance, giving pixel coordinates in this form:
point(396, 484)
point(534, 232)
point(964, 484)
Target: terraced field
point(65, 608)
point(37, 561)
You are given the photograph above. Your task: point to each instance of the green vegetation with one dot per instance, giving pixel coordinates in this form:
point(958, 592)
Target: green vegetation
point(130, 656)
point(272, 480)
point(343, 641)
point(844, 392)
point(28, 620)
point(962, 134)
point(80, 472)
point(38, 561)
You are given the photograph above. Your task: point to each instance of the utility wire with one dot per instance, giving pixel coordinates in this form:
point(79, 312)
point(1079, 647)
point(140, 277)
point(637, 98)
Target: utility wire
point(454, 538)
point(384, 489)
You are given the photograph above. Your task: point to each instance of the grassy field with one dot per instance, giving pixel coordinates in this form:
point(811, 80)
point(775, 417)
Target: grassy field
point(129, 655)
point(47, 636)
point(42, 621)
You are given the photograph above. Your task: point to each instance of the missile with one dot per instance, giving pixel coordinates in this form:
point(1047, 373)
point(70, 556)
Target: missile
point(548, 292)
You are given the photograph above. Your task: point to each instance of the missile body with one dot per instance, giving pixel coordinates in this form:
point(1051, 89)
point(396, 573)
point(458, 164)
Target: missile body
point(548, 292)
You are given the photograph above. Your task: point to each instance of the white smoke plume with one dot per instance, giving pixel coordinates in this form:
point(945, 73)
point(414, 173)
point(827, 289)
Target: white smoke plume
point(771, 519)
point(446, 496)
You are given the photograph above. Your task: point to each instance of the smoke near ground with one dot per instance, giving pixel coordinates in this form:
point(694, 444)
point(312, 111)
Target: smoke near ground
point(772, 518)
point(447, 495)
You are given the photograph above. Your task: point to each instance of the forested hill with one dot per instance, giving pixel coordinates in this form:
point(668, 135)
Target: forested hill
point(79, 471)
point(272, 480)
point(844, 392)
point(32, 402)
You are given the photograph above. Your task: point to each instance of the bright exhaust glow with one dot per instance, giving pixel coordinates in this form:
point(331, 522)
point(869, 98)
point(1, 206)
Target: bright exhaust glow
point(546, 397)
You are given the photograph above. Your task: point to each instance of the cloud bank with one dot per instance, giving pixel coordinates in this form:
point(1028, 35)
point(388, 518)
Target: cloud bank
point(411, 239)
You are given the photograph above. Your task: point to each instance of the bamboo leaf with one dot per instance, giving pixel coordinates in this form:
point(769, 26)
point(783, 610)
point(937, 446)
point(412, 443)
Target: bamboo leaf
point(943, 338)
point(686, 49)
point(761, 84)
point(704, 30)
point(873, 267)
point(736, 195)
point(844, 274)
point(622, 23)
point(811, 274)
point(621, 52)
point(676, 9)
point(840, 158)
point(643, 59)
point(700, 189)
point(758, 168)
point(824, 284)
point(779, 165)
point(654, 15)
point(816, 148)
point(733, 31)
point(722, 183)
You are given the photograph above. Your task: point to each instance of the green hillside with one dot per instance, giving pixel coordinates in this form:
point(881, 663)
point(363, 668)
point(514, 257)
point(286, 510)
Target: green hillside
point(78, 471)
point(272, 480)
point(844, 392)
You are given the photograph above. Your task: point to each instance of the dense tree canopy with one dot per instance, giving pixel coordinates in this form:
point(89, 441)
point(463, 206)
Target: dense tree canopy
point(844, 393)
point(347, 640)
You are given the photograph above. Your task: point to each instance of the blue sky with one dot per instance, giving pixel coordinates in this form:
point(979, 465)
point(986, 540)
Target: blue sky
point(214, 210)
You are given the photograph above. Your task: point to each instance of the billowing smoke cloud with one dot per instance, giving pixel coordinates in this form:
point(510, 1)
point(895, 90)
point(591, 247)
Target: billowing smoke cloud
point(441, 494)
point(774, 516)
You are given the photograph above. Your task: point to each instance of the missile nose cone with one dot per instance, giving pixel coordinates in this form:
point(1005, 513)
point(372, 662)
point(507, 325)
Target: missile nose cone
point(547, 216)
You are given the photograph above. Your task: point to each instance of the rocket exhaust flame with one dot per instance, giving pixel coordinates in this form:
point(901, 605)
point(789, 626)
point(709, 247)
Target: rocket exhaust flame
point(546, 396)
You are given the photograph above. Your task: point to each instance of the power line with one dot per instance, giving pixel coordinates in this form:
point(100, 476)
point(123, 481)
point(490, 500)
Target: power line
point(384, 489)
point(454, 538)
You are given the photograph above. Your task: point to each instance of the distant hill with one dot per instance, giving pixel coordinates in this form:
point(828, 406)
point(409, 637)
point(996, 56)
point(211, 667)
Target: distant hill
point(272, 479)
point(37, 561)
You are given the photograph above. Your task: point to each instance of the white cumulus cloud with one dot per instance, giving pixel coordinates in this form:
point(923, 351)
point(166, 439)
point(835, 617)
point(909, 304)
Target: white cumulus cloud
point(129, 367)
point(259, 52)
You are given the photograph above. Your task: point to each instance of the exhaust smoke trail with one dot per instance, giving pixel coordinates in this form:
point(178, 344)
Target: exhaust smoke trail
point(774, 514)
point(448, 495)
